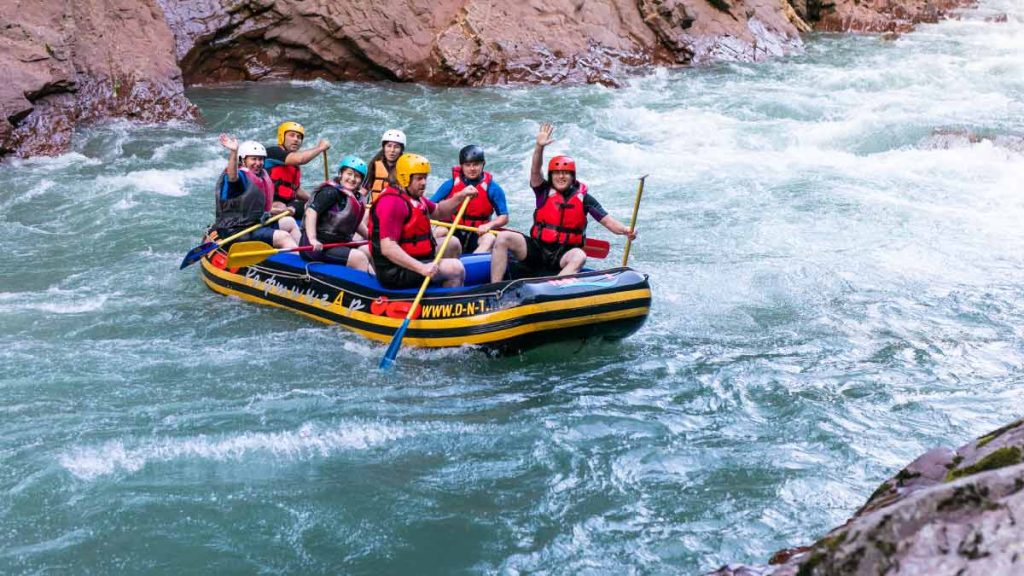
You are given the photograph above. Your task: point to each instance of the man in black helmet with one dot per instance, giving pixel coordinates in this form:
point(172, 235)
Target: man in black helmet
point(489, 201)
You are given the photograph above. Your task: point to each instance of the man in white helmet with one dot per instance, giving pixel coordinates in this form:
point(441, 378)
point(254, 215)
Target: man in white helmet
point(244, 197)
point(382, 167)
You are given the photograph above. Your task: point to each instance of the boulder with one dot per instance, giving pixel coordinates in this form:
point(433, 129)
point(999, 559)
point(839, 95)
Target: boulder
point(474, 42)
point(874, 15)
point(948, 512)
point(72, 63)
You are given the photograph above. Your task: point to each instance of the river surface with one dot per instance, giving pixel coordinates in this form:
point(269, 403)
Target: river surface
point(838, 277)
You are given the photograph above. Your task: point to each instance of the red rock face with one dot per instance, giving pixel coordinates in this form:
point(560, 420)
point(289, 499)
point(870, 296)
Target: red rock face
point(68, 63)
point(875, 15)
point(458, 42)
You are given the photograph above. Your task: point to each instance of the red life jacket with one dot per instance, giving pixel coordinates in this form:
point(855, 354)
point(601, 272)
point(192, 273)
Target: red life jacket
point(480, 209)
point(287, 180)
point(417, 239)
point(561, 220)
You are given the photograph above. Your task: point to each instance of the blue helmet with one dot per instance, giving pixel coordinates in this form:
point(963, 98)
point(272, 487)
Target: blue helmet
point(354, 162)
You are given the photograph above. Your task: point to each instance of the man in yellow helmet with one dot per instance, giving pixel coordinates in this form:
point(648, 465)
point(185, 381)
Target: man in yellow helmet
point(283, 163)
point(401, 241)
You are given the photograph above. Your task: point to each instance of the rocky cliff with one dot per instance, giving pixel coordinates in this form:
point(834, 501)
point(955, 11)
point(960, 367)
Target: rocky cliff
point(948, 512)
point(69, 62)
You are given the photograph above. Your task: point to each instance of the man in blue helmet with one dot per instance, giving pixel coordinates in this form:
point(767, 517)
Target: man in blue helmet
point(335, 214)
point(489, 201)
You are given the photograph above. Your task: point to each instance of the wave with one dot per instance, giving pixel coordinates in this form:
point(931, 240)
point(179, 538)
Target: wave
point(308, 441)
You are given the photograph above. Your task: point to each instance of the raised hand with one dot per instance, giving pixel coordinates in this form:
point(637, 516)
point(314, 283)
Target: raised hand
point(323, 145)
point(229, 142)
point(544, 135)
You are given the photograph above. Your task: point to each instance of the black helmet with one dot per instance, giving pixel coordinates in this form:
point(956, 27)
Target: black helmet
point(471, 153)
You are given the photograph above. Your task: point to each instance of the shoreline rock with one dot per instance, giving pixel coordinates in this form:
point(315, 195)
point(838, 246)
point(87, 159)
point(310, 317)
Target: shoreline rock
point(74, 63)
point(947, 512)
point(69, 64)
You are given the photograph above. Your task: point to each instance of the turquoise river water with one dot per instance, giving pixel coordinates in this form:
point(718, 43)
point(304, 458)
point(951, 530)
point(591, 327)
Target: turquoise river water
point(837, 276)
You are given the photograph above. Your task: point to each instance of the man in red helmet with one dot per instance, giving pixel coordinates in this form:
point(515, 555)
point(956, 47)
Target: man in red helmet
point(555, 243)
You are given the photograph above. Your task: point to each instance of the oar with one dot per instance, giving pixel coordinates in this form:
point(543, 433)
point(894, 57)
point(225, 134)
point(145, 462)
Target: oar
point(205, 248)
point(632, 223)
point(396, 340)
point(594, 247)
point(244, 254)
point(327, 175)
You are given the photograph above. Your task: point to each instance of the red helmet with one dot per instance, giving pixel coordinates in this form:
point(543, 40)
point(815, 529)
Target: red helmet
point(565, 163)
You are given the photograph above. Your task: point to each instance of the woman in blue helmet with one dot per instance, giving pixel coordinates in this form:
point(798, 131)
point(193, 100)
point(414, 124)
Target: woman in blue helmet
point(335, 214)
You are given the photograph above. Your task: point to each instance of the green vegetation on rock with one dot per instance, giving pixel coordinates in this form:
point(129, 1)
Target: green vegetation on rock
point(1005, 456)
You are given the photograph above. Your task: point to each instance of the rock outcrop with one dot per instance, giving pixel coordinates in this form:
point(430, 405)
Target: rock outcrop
point(460, 42)
point(948, 512)
point(874, 15)
point(69, 62)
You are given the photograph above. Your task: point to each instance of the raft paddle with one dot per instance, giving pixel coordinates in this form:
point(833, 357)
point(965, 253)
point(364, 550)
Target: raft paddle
point(327, 175)
point(632, 223)
point(244, 254)
point(593, 247)
point(205, 248)
point(396, 340)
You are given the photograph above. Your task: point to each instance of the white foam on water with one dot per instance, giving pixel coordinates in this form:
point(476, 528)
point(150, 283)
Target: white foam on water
point(307, 442)
point(39, 189)
point(52, 163)
point(170, 182)
point(160, 152)
point(126, 203)
point(53, 300)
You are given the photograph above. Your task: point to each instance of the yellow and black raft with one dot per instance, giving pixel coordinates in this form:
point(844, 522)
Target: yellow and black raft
point(506, 316)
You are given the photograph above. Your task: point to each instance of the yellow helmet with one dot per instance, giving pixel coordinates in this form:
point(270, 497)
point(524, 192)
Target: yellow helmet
point(289, 127)
point(409, 164)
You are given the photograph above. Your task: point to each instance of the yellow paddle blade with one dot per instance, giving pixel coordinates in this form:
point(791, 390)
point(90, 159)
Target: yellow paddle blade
point(244, 254)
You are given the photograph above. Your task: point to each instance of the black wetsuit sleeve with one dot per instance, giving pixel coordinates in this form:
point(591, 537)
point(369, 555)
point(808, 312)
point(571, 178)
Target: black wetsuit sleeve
point(277, 153)
point(326, 198)
point(594, 208)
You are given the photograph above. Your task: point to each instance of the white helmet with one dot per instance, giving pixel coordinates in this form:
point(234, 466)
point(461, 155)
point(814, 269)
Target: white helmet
point(393, 136)
point(251, 148)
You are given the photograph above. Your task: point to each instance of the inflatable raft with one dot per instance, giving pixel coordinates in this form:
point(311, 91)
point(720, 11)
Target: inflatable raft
point(507, 316)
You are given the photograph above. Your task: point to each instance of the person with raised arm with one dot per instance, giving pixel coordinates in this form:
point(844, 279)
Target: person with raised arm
point(283, 164)
point(559, 231)
point(244, 197)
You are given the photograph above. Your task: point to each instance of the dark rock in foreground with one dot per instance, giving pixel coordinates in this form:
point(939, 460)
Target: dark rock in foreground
point(946, 513)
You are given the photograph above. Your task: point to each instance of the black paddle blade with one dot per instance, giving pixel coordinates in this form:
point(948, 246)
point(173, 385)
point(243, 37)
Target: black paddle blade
point(196, 253)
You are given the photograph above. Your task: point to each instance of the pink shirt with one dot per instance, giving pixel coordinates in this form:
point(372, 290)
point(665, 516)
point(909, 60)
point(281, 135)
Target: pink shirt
point(392, 213)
